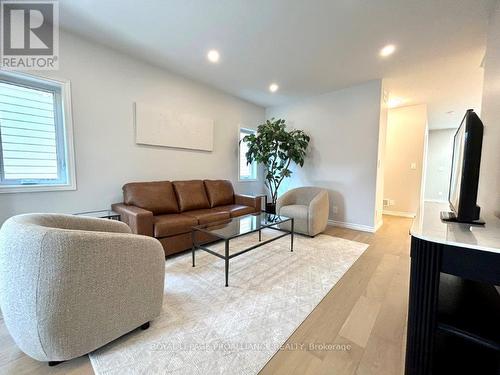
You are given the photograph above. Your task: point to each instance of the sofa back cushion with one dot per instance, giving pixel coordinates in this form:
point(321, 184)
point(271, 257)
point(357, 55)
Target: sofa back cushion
point(157, 197)
point(220, 192)
point(191, 195)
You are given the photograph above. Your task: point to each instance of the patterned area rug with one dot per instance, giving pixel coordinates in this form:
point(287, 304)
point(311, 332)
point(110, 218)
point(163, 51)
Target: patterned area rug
point(206, 328)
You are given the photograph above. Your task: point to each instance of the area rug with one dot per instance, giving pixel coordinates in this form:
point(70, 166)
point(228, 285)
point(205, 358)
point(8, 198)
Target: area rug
point(206, 328)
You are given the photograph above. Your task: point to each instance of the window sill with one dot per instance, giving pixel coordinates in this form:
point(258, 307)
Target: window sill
point(5, 189)
point(248, 180)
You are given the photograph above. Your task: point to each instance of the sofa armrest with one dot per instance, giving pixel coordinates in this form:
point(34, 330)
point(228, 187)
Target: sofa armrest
point(249, 200)
point(318, 213)
point(285, 200)
point(91, 279)
point(138, 219)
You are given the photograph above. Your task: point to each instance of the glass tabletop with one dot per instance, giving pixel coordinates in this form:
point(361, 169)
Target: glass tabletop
point(238, 226)
point(99, 214)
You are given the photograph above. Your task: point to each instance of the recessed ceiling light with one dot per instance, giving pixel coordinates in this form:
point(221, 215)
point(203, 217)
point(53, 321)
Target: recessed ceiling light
point(394, 102)
point(273, 87)
point(387, 50)
point(213, 56)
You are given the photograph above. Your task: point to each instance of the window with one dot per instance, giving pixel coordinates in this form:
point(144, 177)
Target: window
point(248, 172)
point(35, 134)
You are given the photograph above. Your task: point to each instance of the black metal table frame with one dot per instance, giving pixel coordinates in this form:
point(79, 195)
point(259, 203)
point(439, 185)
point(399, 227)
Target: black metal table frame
point(228, 256)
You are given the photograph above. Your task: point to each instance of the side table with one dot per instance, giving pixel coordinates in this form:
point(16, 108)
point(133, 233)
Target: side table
point(102, 214)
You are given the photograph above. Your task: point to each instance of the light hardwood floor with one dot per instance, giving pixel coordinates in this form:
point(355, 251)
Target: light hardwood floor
point(365, 311)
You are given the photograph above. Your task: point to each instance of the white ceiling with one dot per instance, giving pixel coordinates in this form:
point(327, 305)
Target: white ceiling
point(308, 47)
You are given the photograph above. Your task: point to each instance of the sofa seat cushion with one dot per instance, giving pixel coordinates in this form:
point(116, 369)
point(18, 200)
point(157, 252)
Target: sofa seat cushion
point(170, 225)
point(209, 215)
point(299, 213)
point(191, 195)
point(236, 209)
point(157, 197)
point(219, 192)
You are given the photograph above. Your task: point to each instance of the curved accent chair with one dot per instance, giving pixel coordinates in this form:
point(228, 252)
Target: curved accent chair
point(70, 284)
point(309, 208)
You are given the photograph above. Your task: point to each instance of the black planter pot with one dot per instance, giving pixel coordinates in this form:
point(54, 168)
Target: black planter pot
point(271, 208)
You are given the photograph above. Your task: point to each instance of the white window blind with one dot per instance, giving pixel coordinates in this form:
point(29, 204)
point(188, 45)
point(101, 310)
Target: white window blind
point(247, 171)
point(32, 134)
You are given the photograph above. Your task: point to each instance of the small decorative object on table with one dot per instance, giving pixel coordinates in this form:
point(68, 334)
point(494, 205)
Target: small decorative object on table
point(102, 214)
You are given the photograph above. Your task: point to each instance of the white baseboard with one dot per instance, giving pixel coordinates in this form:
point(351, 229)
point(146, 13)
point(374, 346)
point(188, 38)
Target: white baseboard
point(399, 213)
point(377, 227)
point(343, 224)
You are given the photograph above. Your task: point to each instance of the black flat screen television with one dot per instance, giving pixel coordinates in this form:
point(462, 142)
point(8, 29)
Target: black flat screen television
point(464, 178)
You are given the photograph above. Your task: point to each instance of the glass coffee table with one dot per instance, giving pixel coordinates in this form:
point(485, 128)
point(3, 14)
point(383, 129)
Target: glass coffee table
point(237, 227)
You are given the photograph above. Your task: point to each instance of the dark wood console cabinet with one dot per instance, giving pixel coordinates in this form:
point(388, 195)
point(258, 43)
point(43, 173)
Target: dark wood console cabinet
point(454, 306)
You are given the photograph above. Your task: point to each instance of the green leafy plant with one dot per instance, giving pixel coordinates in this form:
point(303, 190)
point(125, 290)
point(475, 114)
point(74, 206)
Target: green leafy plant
point(275, 148)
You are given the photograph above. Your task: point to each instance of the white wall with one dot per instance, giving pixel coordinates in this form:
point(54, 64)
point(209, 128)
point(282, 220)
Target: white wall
point(105, 84)
point(439, 157)
point(489, 181)
point(344, 130)
point(405, 141)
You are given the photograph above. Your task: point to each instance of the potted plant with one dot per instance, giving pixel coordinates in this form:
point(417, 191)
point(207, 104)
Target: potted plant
point(275, 147)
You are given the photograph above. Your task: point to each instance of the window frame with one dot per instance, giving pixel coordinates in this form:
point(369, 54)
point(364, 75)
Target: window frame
point(63, 128)
point(245, 130)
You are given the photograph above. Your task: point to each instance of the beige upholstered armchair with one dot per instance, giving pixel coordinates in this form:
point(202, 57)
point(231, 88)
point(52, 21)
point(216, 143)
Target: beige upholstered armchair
point(308, 206)
point(71, 284)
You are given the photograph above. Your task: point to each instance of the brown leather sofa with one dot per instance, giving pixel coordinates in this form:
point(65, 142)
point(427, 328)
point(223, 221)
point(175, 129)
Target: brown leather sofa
point(168, 210)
